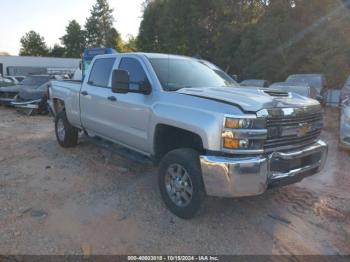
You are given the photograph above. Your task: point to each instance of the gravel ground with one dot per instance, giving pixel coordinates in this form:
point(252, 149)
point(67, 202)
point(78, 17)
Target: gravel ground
point(101, 201)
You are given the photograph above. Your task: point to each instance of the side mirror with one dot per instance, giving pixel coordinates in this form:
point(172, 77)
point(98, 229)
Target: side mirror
point(120, 81)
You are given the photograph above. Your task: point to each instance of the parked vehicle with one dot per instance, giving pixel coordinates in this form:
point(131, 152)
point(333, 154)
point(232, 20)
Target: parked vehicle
point(15, 79)
point(5, 82)
point(332, 97)
point(33, 100)
point(298, 88)
point(255, 82)
point(317, 81)
point(345, 124)
point(8, 94)
point(208, 135)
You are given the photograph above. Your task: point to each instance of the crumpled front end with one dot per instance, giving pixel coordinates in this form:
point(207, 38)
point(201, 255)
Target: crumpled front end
point(31, 100)
point(7, 97)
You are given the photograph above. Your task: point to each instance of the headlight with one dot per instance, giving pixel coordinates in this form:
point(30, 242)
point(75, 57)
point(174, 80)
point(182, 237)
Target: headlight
point(244, 123)
point(238, 123)
point(243, 133)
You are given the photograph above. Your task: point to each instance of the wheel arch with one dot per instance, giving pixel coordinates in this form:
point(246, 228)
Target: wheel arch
point(168, 138)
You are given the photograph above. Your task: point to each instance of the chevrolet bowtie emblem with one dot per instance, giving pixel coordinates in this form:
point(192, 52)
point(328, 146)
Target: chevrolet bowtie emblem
point(304, 128)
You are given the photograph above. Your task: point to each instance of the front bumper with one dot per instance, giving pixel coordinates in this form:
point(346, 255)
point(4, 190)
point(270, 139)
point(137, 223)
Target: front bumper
point(6, 101)
point(249, 176)
point(33, 104)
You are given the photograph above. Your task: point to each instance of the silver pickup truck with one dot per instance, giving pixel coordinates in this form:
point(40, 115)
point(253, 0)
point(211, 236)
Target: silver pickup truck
point(208, 135)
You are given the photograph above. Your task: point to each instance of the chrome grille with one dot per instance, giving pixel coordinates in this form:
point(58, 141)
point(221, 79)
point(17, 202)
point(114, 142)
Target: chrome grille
point(286, 132)
point(287, 121)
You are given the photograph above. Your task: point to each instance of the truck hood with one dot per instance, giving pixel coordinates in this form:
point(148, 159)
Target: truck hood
point(14, 89)
point(251, 99)
point(31, 94)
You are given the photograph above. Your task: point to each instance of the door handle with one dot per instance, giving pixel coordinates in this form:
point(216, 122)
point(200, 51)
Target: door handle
point(112, 98)
point(84, 93)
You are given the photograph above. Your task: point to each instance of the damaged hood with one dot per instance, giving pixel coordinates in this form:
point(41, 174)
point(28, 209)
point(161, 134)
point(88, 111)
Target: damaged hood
point(15, 89)
point(251, 99)
point(31, 94)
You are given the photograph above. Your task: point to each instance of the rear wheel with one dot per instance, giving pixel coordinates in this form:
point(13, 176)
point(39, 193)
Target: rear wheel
point(66, 134)
point(180, 182)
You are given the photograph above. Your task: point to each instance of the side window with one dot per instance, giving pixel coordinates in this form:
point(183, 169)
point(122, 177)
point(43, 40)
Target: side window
point(136, 72)
point(101, 71)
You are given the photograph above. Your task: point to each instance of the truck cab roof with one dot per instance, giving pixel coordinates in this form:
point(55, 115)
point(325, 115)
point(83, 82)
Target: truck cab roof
point(150, 55)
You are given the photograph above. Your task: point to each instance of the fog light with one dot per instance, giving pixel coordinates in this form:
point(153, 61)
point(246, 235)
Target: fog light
point(231, 143)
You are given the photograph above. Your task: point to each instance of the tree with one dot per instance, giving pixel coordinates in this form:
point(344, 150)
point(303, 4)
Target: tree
point(32, 44)
point(195, 26)
point(131, 44)
point(57, 51)
point(99, 26)
point(127, 46)
point(73, 40)
point(267, 39)
point(113, 39)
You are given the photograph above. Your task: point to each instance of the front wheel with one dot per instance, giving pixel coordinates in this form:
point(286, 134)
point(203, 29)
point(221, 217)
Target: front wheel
point(180, 182)
point(66, 134)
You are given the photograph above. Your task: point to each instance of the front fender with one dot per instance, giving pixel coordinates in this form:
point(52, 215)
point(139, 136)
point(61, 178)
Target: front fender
point(206, 124)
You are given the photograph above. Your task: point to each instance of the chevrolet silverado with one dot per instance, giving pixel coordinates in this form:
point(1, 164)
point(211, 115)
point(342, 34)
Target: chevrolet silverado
point(208, 135)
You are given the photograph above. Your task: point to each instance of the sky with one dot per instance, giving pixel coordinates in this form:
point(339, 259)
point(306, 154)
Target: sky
point(49, 18)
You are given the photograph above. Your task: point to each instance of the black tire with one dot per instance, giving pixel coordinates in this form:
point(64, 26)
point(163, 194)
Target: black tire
point(70, 136)
point(189, 160)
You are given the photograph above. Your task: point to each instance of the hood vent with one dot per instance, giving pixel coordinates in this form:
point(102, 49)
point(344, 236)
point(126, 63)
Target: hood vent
point(276, 93)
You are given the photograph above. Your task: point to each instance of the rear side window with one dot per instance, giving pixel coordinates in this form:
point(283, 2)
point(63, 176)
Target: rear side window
point(136, 72)
point(101, 71)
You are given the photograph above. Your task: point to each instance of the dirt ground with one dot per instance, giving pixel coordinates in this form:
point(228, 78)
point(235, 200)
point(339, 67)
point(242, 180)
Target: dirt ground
point(92, 200)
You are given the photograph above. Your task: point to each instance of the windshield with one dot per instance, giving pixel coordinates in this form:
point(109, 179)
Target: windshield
point(35, 80)
point(175, 74)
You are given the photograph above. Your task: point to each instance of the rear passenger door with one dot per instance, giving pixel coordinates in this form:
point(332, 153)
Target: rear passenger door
point(97, 100)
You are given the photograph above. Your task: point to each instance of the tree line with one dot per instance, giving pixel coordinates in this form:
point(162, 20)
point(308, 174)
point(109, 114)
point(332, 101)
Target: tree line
point(98, 31)
point(267, 39)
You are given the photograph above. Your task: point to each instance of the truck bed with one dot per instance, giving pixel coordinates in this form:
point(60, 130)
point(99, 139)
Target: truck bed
point(68, 91)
